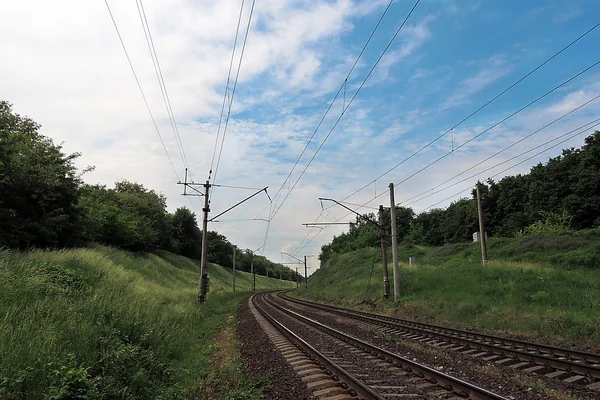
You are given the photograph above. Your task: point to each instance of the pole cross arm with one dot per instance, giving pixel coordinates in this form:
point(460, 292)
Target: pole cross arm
point(351, 210)
point(238, 203)
point(294, 257)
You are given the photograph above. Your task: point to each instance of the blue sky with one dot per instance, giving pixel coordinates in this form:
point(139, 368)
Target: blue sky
point(67, 71)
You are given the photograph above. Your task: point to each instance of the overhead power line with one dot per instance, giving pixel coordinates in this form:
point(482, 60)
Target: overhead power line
point(499, 122)
point(161, 80)
point(480, 134)
point(342, 86)
point(510, 146)
point(237, 75)
point(346, 108)
point(237, 30)
point(429, 190)
point(477, 110)
point(521, 162)
point(137, 81)
point(432, 191)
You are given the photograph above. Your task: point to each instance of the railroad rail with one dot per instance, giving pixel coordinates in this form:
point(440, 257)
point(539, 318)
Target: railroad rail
point(323, 373)
point(436, 383)
point(554, 362)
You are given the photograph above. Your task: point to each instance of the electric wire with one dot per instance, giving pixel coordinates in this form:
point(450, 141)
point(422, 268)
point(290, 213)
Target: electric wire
point(471, 115)
point(140, 88)
point(499, 122)
point(237, 30)
point(432, 191)
point(508, 147)
point(233, 92)
point(343, 85)
point(513, 166)
point(374, 198)
point(347, 106)
point(160, 79)
point(451, 129)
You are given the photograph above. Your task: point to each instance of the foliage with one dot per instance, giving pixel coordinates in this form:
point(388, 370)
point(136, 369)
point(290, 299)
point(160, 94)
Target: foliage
point(38, 186)
point(44, 203)
point(101, 323)
point(544, 286)
point(550, 224)
point(558, 196)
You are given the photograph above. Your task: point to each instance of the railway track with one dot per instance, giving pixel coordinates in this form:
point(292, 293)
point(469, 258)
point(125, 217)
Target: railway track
point(338, 366)
point(571, 366)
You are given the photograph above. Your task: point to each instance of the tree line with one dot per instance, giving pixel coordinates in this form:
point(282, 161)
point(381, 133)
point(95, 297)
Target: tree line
point(560, 195)
point(44, 203)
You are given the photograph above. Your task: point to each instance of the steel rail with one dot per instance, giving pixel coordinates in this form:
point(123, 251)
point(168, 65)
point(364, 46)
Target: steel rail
point(574, 361)
point(350, 383)
point(461, 388)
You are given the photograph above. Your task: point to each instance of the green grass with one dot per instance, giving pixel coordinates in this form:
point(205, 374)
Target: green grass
point(541, 287)
point(100, 323)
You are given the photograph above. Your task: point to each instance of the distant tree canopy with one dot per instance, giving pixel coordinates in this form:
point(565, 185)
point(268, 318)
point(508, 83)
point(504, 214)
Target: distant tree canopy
point(562, 193)
point(44, 203)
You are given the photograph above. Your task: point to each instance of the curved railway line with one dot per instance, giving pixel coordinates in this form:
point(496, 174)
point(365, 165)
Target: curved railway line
point(337, 366)
point(571, 366)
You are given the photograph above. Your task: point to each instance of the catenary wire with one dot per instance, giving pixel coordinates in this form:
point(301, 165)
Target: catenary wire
point(347, 106)
point(374, 198)
point(508, 147)
point(499, 122)
point(140, 88)
point(161, 80)
point(343, 85)
point(432, 191)
point(237, 30)
point(451, 129)
point(233, 92)
point(511, 167)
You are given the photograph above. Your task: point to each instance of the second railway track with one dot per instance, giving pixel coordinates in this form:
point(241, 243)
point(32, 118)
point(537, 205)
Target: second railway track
point(347, 367)
point(567, 365)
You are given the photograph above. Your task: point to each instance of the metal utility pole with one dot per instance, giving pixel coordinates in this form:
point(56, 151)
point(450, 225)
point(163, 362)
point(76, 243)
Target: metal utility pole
point(382, 235)
point(380, 225)
point(203, 275)
point(234, 270)
point(252, 270)
point(394, 244)
point(305, 274)
point(297, 284)
point(482, 238)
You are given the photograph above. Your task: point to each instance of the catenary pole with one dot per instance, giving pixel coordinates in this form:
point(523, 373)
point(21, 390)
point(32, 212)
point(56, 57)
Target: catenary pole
point(305, 274)
point(482, 238)
point(386, 280)
point(394, 244)
point(203, 275)
point(234, 270)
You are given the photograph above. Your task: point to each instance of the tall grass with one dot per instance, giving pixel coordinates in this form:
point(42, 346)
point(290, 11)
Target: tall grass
point(525, 288)
point(108, 324)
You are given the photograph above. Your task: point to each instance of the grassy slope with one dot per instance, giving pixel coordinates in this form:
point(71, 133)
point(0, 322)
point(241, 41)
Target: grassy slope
point(539, 286)
point(109, 323)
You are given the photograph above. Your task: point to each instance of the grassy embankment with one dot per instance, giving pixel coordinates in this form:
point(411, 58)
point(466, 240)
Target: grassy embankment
point(107, 324)
point(540, 287)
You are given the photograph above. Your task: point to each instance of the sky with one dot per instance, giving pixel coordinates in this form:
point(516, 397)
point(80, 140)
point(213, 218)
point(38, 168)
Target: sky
point(63, 66)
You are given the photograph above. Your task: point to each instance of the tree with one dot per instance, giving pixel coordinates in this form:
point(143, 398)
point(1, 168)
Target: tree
point(187, 236)
point(38, 186)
